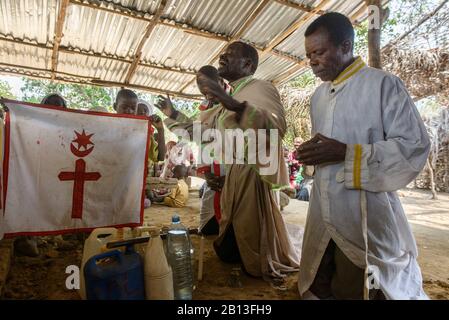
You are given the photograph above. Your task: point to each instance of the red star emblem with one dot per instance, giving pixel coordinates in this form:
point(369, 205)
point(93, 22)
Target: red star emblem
point(83, 139)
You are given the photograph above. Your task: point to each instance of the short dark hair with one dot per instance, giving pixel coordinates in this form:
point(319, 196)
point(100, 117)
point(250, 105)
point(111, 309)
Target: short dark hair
point(337, 25)
point(125, 93)
point(182, 169)
point(54, 99)
point(210, 72)
point(249, 52)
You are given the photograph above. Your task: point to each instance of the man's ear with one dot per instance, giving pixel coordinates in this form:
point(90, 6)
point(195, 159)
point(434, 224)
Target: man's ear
point(347, 46)
point(248, 65)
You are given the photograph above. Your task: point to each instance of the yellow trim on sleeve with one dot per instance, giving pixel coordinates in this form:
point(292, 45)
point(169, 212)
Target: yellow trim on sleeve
point(357, 166)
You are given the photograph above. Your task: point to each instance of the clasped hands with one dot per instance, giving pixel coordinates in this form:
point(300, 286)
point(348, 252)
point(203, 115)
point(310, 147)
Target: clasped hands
point(321, 150)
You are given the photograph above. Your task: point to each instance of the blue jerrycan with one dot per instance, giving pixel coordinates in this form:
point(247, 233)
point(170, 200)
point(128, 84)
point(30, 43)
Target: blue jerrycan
point(115, 275)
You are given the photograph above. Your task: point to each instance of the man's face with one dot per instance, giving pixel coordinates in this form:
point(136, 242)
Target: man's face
point(326, 59)
point(126, 105)
point(142, 110)
point(232, 64)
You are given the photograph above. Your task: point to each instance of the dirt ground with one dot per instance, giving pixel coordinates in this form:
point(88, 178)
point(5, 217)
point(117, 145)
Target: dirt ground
point(44, 277)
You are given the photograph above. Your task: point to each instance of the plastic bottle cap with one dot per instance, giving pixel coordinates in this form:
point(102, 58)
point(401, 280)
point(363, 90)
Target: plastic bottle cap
point(175, 219)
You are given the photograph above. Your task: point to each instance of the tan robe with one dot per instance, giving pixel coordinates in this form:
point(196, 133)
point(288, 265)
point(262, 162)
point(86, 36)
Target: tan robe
point(248, 200)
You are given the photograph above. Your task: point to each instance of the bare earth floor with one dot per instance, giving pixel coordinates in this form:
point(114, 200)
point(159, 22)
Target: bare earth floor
point(44, 277)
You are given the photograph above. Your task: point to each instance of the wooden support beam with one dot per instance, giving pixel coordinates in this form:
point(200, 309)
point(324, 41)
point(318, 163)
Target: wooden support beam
point(374, 34)
point(35, 76)
point(286, 75)
point(195, 31)
point(9, 65)
point(151, 25)
point(295, 26)
point(96, 82)
point(303, 63)
point(359, 13)
point(139, 15)
point(154, 90)
point(282, 55)
point(58, 35)
point(299, 6)
point(246, 25)
point(98, 55)
point(250, 19)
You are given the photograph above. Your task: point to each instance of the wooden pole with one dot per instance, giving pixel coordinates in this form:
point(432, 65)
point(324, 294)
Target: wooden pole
point(432, 179)
point(58, 36)
point(151, 25)
point(374, 33)
point(246, 25)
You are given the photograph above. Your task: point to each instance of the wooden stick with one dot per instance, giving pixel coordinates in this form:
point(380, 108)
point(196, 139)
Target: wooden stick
point(151, 25)
point(201, 259)
point(58, 36)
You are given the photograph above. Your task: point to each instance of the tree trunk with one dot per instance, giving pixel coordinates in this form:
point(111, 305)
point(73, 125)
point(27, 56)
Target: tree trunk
point(432, 180)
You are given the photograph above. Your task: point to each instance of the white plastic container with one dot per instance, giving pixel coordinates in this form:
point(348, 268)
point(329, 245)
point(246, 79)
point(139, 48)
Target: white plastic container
point(158, 274)
point(94, 245)
point(142, 232)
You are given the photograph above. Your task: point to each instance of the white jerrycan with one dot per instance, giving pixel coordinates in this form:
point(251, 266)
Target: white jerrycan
point(142, 232)
point(158, 274)
point(95, 244)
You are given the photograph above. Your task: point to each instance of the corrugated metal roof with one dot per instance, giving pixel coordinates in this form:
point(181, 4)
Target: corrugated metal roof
point(272, 66)
point(25, 56)
point(93, 67)
point(274, 19)
point(218, 16)
point(109, 32)
point(29, 20)
point(164, 80)
point(102, 32)
point(177, 49)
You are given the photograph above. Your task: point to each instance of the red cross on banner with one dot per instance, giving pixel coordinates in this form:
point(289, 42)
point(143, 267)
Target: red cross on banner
point(79, 176)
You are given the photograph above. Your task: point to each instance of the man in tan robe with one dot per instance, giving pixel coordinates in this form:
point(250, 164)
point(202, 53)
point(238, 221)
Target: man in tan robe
point(252, 229)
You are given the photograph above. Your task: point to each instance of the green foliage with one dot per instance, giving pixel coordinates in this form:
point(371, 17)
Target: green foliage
point(77, 96)
point(6, 90)
point(305, 80)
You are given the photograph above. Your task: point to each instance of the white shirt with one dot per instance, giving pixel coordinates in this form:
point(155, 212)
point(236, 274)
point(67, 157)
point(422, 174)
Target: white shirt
point(387, 146)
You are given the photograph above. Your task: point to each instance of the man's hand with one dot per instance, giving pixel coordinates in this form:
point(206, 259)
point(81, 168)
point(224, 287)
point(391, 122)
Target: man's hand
point(321, 150)
point(212, 89)
point(165, 105)
point(154, 197)
point(156, 121)
point(215, 183)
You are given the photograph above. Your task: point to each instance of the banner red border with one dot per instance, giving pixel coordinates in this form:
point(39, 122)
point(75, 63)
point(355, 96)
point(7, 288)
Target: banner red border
point(98, 113)
point(5, 161)
point(104, 114)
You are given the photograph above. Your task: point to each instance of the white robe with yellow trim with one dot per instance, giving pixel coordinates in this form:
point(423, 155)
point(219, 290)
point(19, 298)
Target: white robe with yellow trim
point(371, 111)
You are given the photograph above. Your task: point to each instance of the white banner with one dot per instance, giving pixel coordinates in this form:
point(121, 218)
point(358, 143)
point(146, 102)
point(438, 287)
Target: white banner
point(68, 170)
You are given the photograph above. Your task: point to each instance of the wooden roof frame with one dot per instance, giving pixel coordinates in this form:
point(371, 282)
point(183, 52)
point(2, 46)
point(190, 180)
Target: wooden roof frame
point(157, 19)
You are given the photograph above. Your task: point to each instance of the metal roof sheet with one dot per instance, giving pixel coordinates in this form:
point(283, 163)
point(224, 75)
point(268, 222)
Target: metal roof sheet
point(101, 39)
